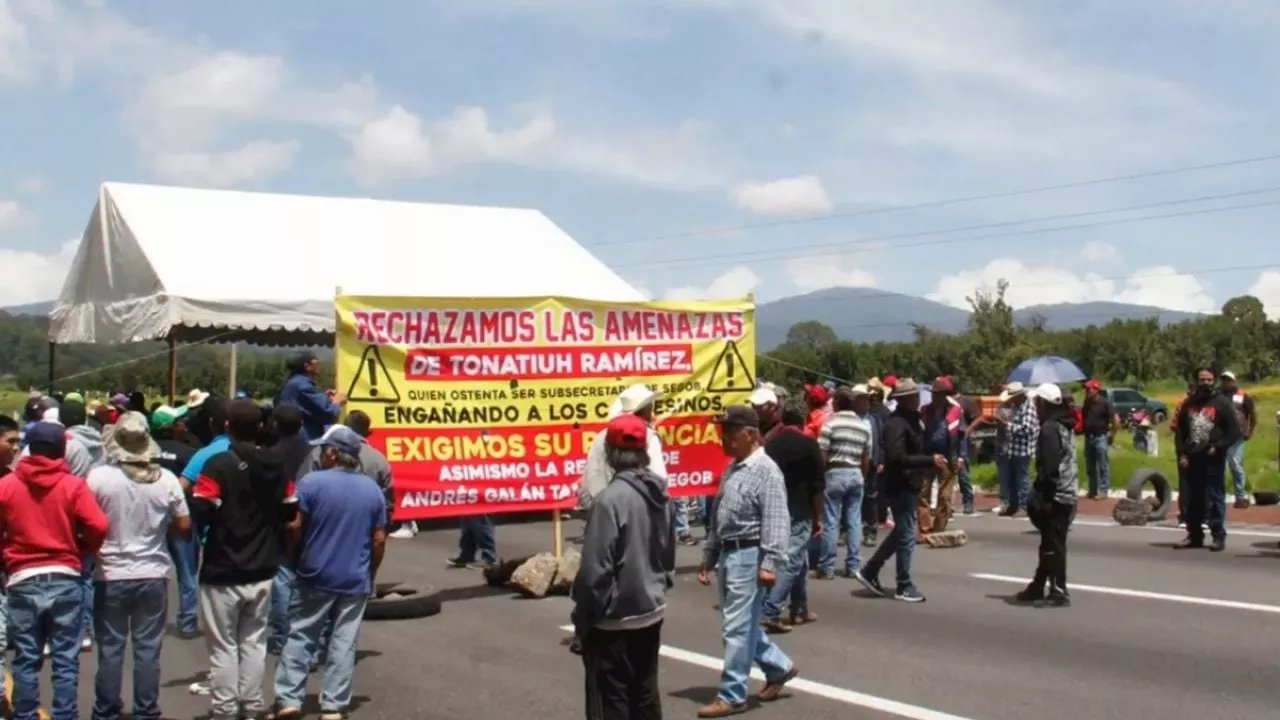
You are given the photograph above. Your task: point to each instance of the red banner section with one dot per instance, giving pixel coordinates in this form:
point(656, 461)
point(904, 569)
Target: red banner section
point(547, 363)
point(449, 473)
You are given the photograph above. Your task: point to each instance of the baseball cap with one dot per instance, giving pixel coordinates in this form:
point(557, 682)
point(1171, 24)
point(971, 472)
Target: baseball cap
point(1228, 375)
point(165, 416)
point(739, 416)
point(943, 384)
point(46, 433)
point(626, 432)
point(762, 396)
point(341, 438)
point(1049, 393)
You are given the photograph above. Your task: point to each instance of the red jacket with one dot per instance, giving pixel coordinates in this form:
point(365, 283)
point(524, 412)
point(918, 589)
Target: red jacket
point(48, 516)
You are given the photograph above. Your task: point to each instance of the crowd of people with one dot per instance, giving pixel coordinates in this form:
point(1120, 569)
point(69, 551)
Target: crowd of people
point(272, 519)
point(840, 464)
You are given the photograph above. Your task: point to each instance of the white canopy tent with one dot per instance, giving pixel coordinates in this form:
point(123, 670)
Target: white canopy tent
point(181, 264)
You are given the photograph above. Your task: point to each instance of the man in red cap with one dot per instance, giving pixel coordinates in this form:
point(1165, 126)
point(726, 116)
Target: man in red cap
point(620, 591)
point(1100, 425)
point(816, 399)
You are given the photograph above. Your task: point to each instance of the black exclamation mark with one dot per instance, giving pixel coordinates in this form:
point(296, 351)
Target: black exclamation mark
point(728, 368)
point(373, 377)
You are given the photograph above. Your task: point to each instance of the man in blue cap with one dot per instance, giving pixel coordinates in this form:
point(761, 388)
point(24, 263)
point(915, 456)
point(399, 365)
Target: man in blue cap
point(342, 515)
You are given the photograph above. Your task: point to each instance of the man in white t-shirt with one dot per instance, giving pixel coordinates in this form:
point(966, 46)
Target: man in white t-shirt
point(144, 505)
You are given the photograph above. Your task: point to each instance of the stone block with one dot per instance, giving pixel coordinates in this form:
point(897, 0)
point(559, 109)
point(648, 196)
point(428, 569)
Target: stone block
point(566, 571)
point(947, 539)
point(533, 579)
point(1128, 511)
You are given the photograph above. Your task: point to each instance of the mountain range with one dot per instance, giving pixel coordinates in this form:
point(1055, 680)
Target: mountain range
point(869, 315)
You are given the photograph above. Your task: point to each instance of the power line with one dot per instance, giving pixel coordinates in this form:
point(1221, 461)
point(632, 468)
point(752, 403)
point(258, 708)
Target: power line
point(754, 257)
point(941, 203)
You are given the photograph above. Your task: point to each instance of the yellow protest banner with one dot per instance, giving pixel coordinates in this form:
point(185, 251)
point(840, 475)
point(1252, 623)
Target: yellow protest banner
point(490, 405)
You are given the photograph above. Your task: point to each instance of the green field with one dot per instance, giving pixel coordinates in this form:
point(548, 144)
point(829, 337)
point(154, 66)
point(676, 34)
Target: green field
point(1259, 457)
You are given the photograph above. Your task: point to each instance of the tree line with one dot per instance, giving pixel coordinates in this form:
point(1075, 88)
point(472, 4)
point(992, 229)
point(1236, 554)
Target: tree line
point(1133, 352)
point(24, 363)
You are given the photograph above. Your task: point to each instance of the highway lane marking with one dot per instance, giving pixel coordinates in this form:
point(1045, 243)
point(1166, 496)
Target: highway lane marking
point(1144, 594)
point(1113, 524)
point(811, 687)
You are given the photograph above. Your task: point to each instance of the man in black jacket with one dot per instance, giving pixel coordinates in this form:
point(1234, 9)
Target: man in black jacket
point(1207, 428)
point(905, 464)
point(799, 457)
point(1053, 495)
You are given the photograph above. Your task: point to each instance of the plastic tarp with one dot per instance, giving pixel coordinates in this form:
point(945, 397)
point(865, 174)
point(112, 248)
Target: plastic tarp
point(156, 262)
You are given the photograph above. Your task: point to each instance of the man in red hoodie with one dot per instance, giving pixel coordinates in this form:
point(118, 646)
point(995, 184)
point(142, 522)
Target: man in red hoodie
point(50, 521)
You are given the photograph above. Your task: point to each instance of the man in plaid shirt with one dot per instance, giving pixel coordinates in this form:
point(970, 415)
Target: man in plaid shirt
point(1024, 432)
point(746, 544)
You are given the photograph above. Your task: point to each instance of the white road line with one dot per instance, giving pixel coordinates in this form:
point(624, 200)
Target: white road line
point(810, 687)
point(1232, 531)
point(1144, 594)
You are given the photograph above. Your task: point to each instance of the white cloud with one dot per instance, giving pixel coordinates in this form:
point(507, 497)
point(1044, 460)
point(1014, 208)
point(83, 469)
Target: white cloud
point(32, 276)
point(787, 197)
point(249, 163)
point(1267, 289)
point(1032, 284)
point(1099, 252)
point(398, 145)
point(734, 283)
point(818, 272)
point(12, 216)
point(15, 47)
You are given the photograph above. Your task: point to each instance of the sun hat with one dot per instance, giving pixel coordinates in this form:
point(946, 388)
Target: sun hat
point(120, 400)
point(128, 444)
point(860, 389)
point(904, 387)
point(1012, 390)
point(196, 398)
point(637, 397)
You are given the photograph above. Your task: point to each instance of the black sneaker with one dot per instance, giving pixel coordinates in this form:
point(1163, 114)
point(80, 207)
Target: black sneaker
point(459, 562)
point(1218, 545)
point(1030, 594)
point(687, 540)
point(1190, 544)
point(910, 595)
point(968, 510)
point(1058, 599)
point(871, 583)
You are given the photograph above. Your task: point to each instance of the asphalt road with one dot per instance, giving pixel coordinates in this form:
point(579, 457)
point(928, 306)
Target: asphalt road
point(966, 654)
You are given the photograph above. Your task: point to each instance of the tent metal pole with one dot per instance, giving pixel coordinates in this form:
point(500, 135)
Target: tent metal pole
point(231, 371)
point(173, 369)
point(53, 352)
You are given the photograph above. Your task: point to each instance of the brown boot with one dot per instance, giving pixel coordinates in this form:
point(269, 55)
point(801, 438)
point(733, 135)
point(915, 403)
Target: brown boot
point(773, 688)
point(775, 626)
point(719, 708)
point(804, 618)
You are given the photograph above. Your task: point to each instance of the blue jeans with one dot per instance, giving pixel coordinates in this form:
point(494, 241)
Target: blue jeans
point(1015, 483)
point(791, 585)
point(1206, 479)
point(310, 611)
point(901, 540)
point(4, 628)
point(186, 565)
point(46, 609)
point(966, 484)
point(681, 517)
point(476, 538)
point(281, 596)
point(87, 565)
point(745, 642)
point(1097, 463)
point(1235, 461)
point(129, 612)
point(843, 512)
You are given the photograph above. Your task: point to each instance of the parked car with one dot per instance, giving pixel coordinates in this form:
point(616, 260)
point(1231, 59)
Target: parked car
point(1127, 401)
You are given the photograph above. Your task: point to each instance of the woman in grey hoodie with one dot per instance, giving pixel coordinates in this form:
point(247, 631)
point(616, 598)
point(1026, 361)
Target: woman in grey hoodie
point(620, 591)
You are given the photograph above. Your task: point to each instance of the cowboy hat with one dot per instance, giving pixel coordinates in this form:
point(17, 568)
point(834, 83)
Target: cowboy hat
point(196, 398)
point(636, 397)
point(1011, 391)
point(904, 386)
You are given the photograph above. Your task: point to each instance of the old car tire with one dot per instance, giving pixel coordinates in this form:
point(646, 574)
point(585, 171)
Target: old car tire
point(1164, 492)
point(401, 601)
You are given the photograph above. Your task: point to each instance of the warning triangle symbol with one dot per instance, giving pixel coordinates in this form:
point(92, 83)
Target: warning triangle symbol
point(730, 373)
point(372, 382)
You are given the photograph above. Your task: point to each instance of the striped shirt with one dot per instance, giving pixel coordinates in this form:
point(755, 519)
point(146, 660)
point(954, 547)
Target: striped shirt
point(846, 438)
point(751, 505)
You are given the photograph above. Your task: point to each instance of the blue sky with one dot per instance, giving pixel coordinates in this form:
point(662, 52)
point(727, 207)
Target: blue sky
point(701, 147)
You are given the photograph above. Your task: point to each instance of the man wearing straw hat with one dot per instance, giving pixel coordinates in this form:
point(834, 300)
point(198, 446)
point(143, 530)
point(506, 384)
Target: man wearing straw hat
point(144, 504)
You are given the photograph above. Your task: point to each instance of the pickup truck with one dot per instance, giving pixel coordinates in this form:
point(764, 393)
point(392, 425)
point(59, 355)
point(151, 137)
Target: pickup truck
point(1126, 400)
